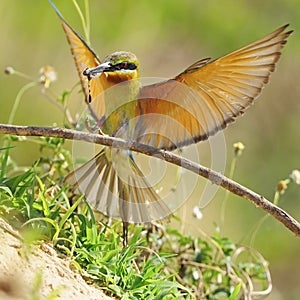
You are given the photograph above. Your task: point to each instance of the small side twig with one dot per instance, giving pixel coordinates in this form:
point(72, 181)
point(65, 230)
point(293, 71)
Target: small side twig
point(215, 177)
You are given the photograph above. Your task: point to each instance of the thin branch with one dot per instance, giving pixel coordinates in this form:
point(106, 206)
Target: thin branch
point(215, 177)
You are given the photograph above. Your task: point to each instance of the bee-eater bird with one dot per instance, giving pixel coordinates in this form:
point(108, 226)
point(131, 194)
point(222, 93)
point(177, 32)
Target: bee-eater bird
point(189, 108)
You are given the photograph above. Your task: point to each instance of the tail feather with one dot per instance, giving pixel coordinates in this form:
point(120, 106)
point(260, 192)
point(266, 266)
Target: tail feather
point(115, 186)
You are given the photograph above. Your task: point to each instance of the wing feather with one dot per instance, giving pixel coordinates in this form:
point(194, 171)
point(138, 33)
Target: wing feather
point(118, 191)
point(207, 96)
point(84, 57)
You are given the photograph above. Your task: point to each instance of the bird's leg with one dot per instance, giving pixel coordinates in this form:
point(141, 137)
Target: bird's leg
point(125, 234)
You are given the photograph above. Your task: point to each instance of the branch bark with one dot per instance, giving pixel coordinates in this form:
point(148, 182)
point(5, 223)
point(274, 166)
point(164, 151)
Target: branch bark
point(215, 177)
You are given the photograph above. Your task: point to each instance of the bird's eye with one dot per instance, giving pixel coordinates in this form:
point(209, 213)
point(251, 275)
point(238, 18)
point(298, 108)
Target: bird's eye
point(123, 65)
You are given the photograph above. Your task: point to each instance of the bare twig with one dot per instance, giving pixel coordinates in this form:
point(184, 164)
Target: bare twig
point(215, 177)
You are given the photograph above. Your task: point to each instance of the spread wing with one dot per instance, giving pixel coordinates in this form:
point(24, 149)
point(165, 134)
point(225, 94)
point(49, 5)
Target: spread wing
point(84, 57)
point(206, 96)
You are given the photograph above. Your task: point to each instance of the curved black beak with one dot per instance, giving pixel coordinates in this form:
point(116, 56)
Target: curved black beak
point(96, 72)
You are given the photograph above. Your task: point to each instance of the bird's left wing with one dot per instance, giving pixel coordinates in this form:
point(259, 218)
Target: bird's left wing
point(207, 96)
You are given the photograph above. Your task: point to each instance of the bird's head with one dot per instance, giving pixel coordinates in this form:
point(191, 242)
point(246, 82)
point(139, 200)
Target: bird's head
point(117, 67)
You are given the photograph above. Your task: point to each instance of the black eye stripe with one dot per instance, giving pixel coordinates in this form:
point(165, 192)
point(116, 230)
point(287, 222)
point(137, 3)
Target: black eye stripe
point(125, 66)
point(131, 66)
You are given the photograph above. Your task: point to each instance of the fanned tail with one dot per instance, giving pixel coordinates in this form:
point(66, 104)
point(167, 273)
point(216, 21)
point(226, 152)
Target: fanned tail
point(114, 185)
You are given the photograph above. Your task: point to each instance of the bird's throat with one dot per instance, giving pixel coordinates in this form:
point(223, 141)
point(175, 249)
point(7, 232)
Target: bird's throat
point(118, 77)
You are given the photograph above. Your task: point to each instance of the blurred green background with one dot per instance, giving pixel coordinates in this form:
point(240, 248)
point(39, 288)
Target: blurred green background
point(168, 36)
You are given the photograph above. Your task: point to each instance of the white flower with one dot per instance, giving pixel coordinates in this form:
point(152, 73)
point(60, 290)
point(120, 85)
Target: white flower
point(238, 148)
point(197, 213)
point(47, 76)
point(9, 70)
point(196, 275)
point(295, 176)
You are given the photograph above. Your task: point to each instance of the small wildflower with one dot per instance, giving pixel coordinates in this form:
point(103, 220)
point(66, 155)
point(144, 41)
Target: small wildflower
point(9, 70)
point(295, 176)
point(219, 278)
point(197, 213)
point(238, 148)
point(282, 186)
point(18, 138)
point(196, 275)
point(47, 76)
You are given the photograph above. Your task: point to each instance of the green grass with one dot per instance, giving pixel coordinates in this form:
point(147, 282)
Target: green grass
point(157, 264)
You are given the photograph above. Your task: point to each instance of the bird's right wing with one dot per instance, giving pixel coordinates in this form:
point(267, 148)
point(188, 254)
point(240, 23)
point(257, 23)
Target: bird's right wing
point(84, 57)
